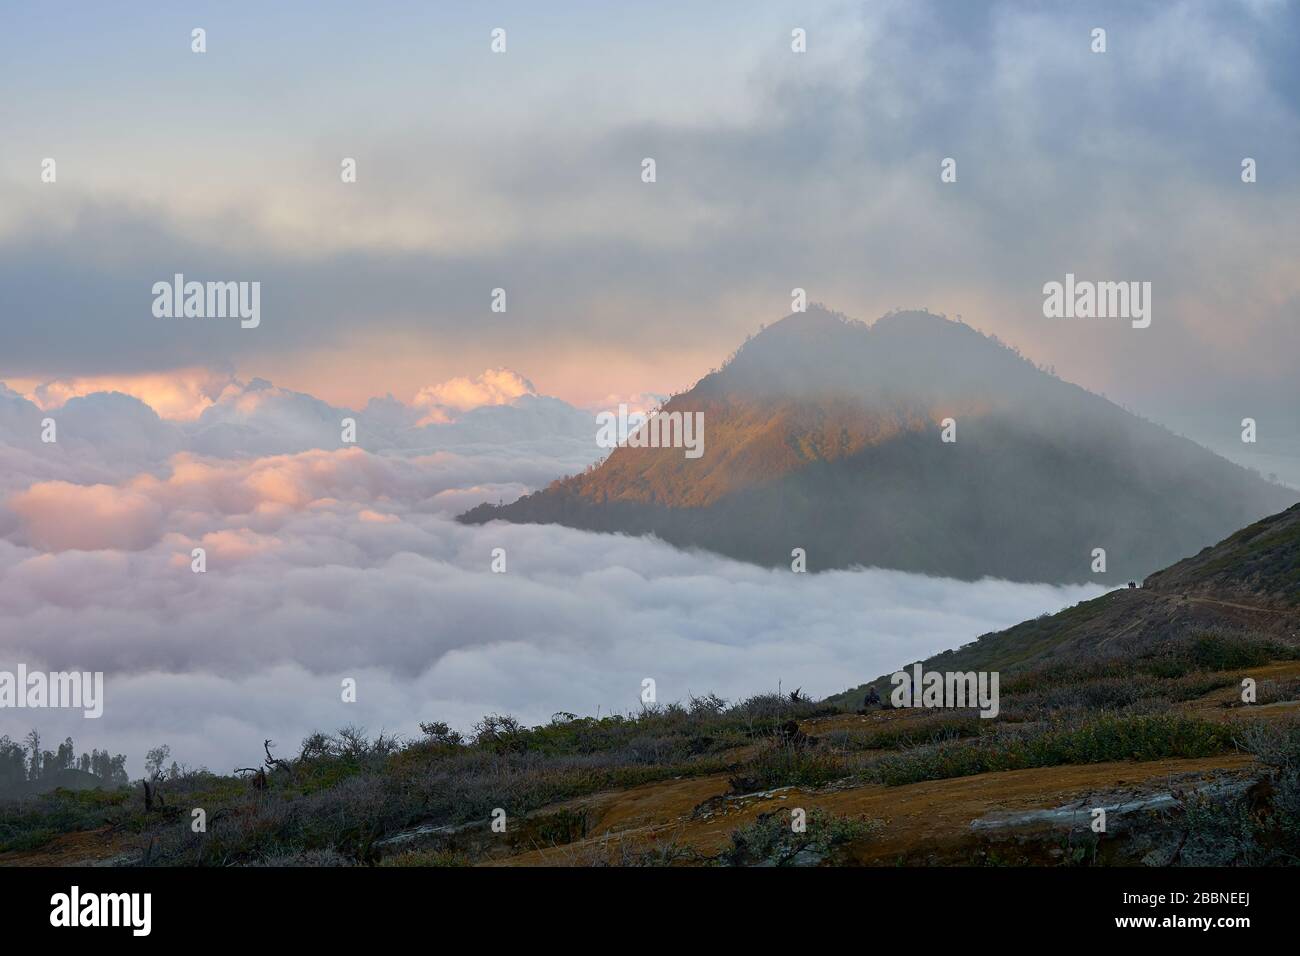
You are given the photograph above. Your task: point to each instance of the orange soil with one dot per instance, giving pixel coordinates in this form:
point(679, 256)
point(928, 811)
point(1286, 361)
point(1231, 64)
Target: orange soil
point(1211, 706)
point(917, 817)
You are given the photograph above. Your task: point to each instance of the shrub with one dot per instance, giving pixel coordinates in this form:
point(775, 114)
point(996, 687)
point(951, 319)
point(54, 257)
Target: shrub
point(784, 763)
point(1260, 827)
point(1216, 651)
point(771, 839)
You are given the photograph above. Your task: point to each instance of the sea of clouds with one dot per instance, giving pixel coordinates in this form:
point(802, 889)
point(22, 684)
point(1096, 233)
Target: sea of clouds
point(328, 561)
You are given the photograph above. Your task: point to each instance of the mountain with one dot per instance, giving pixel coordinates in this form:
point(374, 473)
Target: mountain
point(1247, 585)
point(825, 434)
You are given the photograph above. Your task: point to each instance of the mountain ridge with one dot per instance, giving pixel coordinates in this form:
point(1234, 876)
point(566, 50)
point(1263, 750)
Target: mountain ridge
point(825, 433)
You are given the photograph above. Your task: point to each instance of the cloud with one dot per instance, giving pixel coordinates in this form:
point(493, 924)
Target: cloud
point(499, 386)
point(325, 564)
point(59, 516)
point(1068, 161)
point(411, 609)
point(180, 395)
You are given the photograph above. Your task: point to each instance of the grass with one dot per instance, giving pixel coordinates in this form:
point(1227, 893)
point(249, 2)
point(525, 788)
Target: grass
point(34, 822)
point(1094, 740)
point(900, 735)
point(621, 851)
point(781, 763)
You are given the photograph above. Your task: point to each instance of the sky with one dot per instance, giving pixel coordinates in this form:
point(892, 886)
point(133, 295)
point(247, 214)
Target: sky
point(775, 170)
point(522, 171)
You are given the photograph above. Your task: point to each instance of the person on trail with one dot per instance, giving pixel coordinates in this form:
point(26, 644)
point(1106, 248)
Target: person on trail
point(873, 699)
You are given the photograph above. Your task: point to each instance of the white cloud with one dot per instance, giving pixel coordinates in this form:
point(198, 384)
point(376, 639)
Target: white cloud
point(410, 608)
point(346, 562)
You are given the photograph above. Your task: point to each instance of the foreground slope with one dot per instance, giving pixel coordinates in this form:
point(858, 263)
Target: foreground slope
point(825, 434)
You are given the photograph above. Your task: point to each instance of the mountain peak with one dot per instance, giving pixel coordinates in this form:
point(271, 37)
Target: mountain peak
point(914, 357)
point(825, 433)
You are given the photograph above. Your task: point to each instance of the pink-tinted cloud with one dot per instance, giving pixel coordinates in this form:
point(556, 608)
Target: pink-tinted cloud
point(496, 386)
point(59, 516)
point(181, 395)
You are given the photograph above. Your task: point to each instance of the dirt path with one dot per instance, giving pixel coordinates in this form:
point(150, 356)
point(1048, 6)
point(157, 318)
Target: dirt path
point(1242, 607)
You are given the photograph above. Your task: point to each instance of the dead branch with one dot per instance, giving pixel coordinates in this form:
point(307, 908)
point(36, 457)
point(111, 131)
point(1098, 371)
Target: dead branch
point(272, 762)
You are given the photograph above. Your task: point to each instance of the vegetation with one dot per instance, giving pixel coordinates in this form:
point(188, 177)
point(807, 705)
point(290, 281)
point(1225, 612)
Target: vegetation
point(785, 763)
point(1095, 740)
point(1175, 669)
point(1265, 556)
point(343, 793)
point(1257, 827)
point(348, 798)
point(773, 840)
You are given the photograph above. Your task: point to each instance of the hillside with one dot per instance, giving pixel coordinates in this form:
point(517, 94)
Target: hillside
point(1259, 565)
point(824, 434)
point(1247, 584)
point(1188, 778)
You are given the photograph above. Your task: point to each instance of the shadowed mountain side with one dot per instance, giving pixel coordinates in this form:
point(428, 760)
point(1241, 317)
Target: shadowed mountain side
point(824, 434)
point(1249, 583)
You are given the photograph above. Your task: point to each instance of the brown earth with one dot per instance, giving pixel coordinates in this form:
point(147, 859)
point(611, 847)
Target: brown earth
point(922, 821)
point(84, 848)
